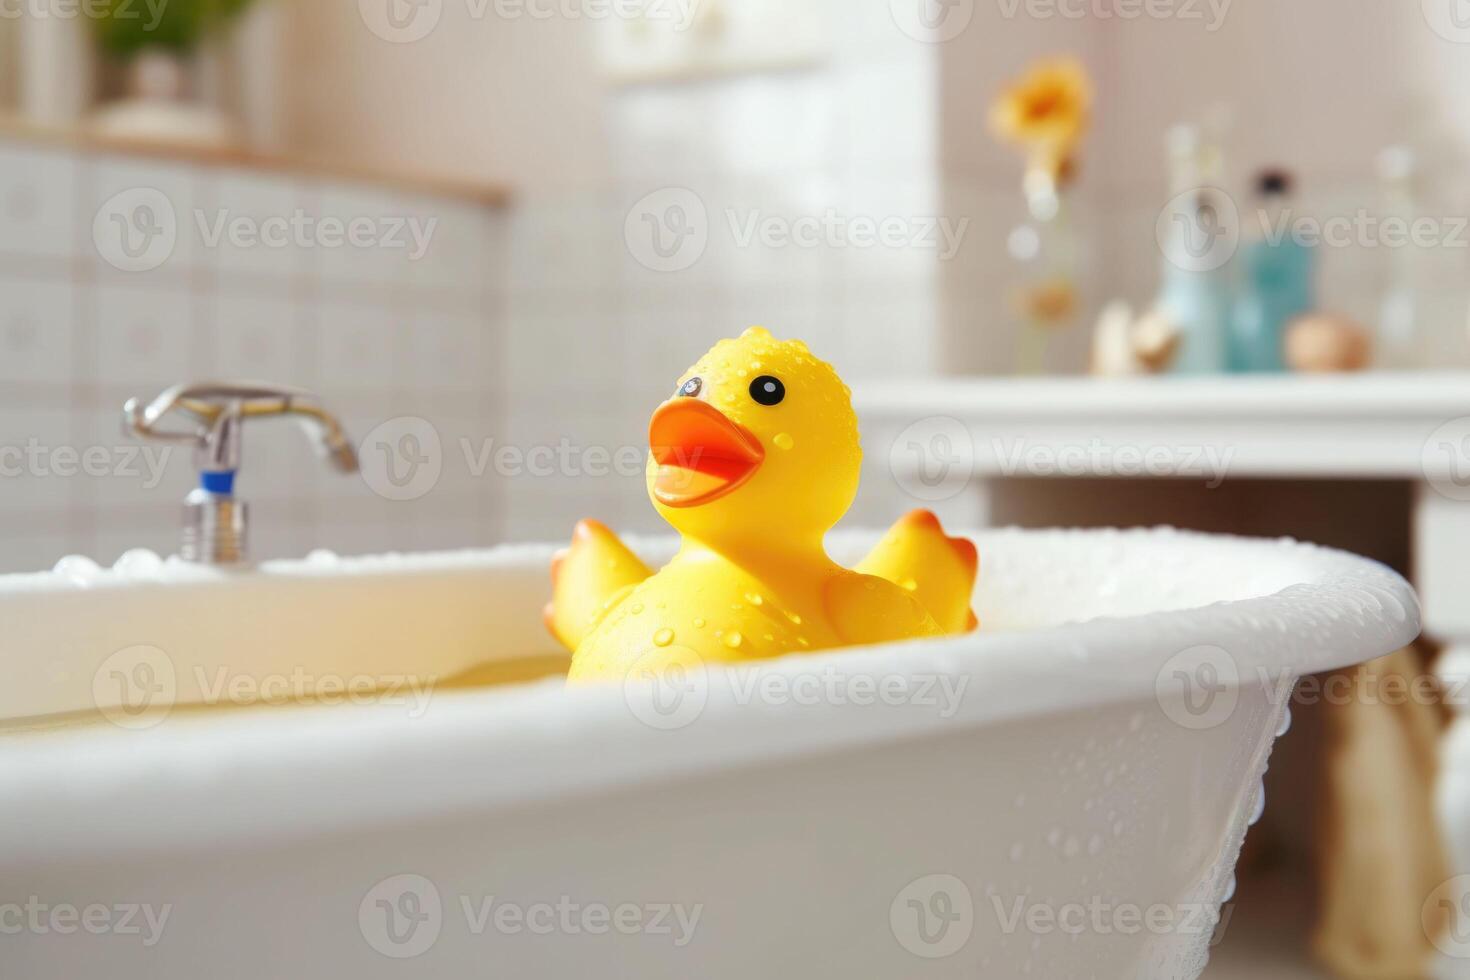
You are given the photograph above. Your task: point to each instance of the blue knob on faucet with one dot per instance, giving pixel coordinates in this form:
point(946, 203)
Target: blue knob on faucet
point(221, 483)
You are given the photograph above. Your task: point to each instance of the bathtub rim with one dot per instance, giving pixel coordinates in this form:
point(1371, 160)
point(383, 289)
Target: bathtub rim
point(136, 791)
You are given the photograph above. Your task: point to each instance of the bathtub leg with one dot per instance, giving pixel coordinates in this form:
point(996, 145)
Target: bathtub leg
point(1453, 803)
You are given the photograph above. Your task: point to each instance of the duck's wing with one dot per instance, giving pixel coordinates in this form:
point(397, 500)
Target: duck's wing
point(587, 580)
point(938, 570)
point(868, 609)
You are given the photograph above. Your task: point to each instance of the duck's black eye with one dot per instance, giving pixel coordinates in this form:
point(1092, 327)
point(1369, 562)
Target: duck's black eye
point(691, 388)
point(768, 390)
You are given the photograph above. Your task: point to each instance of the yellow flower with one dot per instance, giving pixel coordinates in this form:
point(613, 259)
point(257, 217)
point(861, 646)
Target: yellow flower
point(1047, 110)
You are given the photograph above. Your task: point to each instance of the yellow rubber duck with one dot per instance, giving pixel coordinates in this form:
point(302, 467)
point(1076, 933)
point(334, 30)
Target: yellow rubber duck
point(753, 461)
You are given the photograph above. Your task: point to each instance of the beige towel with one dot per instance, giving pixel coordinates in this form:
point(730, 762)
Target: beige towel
point(1381, 850)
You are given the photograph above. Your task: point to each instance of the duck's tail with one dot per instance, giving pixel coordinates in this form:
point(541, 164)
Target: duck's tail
point(587, 580)
point(939, 570)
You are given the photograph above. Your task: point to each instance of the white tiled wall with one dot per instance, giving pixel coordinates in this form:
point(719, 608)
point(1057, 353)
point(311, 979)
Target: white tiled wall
point(597, 340)
point(374, 334)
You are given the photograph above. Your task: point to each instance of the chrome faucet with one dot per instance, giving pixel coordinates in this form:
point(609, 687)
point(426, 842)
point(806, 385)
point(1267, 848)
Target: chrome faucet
point(216, 523)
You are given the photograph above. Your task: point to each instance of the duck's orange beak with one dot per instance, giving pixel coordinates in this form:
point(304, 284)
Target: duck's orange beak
point(701, 454)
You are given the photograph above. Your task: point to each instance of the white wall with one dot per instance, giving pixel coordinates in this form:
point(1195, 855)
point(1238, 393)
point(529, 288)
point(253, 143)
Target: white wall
point(797, 112)
point(479, 97)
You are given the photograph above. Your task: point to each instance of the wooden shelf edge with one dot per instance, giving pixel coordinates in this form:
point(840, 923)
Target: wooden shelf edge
point(485, 194)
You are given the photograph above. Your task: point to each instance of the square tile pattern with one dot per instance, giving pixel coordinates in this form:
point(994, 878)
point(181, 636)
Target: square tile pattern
point(121, 276)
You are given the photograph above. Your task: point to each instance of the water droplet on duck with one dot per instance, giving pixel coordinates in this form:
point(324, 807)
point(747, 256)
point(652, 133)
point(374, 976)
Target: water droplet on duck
point(663, 638)
point(733, 639)
point(794, 618)
point(755, 598)
point(699, 623)
point(783, 440)
point(909, 585)
point(636, 608)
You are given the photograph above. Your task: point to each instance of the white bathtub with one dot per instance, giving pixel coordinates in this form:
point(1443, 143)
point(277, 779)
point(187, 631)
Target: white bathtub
point(1054, 797)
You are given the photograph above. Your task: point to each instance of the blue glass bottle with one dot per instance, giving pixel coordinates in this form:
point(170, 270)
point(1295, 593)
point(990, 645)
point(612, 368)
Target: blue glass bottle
point(1276, 284)
point(1197, 235)
point(1194, 284)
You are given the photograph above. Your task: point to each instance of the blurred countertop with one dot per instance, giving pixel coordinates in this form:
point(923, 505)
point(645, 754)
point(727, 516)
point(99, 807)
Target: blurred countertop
point(1369, 425)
